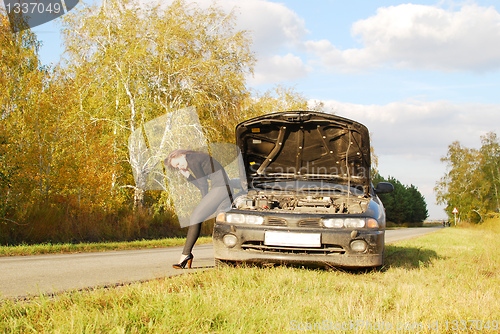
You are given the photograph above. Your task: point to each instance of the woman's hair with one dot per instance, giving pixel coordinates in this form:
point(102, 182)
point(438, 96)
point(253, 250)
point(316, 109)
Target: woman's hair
point(175, 154)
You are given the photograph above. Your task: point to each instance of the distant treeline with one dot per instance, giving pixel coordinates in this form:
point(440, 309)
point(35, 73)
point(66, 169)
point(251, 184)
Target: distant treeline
point(405, 205)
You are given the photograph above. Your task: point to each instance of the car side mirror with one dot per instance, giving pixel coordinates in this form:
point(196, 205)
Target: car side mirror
point(384, 188)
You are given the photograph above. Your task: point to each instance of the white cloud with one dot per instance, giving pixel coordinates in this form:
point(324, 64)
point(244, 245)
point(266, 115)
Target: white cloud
point(273, 28)
point(276, 68)
point(418, 129)
point(271, 24)
point(420, 37)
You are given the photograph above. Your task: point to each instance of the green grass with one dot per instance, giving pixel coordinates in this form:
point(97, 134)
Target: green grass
point(61, 248)
point(48, 248)
point(447, 276)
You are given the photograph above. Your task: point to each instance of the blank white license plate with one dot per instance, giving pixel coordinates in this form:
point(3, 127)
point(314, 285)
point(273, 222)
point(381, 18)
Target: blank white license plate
point(292, 239)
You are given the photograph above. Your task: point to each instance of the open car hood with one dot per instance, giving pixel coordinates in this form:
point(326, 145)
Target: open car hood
point(305, 145)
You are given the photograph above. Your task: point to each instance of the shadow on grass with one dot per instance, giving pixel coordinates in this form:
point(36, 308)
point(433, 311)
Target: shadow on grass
point(395, 257)
point(408, 257)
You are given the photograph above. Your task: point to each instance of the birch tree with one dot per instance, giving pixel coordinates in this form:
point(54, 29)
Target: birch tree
point(490, 165)
point(133, 62)
point(464, 185)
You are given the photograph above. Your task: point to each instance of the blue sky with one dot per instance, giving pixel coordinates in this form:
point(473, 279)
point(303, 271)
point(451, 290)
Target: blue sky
point(419, 74)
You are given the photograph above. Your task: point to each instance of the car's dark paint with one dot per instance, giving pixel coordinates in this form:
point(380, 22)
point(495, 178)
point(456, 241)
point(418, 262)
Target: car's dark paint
point(342, 257)
point(384, 188)
point(335, 247)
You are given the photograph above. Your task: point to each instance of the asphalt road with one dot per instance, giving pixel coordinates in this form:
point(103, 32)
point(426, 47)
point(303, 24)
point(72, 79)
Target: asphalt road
point(22, 276)
point(407, 233)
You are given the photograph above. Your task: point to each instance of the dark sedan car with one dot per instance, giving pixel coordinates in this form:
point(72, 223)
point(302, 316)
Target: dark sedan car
point(308, 195)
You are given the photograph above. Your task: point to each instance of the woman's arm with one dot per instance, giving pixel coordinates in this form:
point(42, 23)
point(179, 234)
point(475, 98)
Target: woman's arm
point(185, 172)
point(200, 166)
point(201, 184)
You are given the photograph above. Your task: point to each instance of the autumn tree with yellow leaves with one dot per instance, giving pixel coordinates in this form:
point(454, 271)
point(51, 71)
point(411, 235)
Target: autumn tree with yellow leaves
point(64, 163)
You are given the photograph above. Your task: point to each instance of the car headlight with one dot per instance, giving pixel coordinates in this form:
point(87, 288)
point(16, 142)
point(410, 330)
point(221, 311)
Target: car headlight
point(350, 223)
point(333, 223)
point(236, 218)
point(354, 222)
point(230, 240)
point(359, 245)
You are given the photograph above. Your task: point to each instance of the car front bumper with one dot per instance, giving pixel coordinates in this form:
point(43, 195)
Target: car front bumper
point(334, 249)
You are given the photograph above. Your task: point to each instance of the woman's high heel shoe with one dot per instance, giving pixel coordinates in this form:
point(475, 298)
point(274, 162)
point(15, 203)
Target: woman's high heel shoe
point(188, 260)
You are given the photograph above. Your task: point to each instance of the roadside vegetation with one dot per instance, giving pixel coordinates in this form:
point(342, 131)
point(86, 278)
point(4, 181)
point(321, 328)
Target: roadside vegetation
point(438, 280)
point(64, 248)
point(472, 180)
point(405, 206)
point(83, 247)
point(65, 174)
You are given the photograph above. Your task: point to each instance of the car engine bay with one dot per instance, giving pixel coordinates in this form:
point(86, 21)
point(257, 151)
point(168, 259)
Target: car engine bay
point(293, 202)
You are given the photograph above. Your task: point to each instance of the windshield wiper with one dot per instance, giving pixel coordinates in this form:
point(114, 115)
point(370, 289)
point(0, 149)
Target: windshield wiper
point(264, 186)
point(292, 187)
point(323, 189)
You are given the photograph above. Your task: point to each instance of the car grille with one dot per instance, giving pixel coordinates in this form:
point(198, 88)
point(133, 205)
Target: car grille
point(326, 249)
point(310, 223)
point(276, 222)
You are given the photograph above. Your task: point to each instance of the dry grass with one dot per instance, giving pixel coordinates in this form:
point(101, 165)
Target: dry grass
point(451, 275)
point(48, 248)
point(45, 223)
